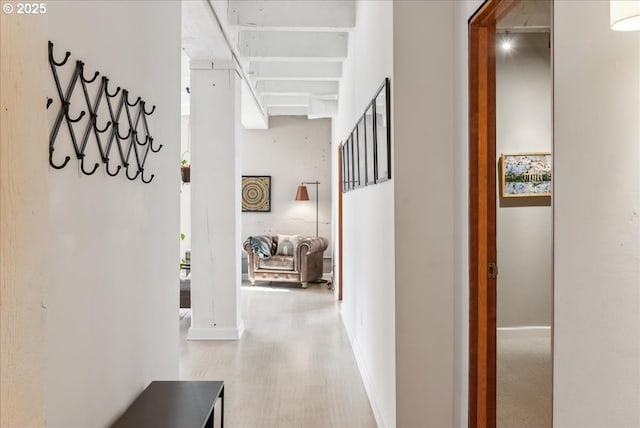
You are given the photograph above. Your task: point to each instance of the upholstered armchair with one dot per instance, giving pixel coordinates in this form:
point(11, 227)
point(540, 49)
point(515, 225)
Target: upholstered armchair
point(285, 258)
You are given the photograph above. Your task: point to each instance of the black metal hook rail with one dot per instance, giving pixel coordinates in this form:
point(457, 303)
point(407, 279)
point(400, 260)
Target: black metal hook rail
point(137, 140)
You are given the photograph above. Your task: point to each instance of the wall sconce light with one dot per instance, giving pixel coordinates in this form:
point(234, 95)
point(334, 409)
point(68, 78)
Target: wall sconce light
point(624, 15)
point(303, 195)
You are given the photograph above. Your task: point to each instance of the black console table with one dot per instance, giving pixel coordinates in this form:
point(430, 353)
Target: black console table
point(175, 404)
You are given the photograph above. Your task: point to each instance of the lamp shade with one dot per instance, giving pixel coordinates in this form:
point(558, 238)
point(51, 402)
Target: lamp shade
point(302, 194)
point(624, 15)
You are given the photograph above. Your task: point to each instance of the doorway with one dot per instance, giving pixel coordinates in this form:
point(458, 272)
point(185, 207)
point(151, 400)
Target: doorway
point(492, 25)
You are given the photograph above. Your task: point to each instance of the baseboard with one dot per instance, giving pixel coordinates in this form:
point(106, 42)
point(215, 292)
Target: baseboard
point(366, 377)
point(523, 332)
point(216, 333)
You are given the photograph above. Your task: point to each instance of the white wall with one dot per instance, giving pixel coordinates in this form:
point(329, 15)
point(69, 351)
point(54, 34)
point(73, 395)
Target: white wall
point(113, 243)
point(292, 150)
point(596, 241)
point(596, 255)
point(523, 125)
point(596, 220)
point(463, 10)
point(368, 242)
point(423, 108)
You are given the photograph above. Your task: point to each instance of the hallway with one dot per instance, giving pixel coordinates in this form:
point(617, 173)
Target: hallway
point(293, 366)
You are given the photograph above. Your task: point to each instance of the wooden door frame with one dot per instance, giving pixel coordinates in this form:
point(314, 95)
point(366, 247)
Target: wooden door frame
point(482, 212)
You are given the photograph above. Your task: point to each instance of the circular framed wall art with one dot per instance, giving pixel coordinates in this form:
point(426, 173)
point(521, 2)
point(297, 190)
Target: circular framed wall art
point(256, 193)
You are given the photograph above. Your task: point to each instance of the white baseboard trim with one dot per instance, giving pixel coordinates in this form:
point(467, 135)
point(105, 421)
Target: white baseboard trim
point(524, 332)
point(216, 333)
point(366, 377)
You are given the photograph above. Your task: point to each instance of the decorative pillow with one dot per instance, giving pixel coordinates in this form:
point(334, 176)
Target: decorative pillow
point(261, 246)
point(286, 244)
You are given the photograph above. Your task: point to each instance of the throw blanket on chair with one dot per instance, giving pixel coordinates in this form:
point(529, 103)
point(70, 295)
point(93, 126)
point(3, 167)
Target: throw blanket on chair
point(261, 245)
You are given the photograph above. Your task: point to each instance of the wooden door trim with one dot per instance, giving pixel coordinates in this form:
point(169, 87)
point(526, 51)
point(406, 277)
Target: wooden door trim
point(482, 212)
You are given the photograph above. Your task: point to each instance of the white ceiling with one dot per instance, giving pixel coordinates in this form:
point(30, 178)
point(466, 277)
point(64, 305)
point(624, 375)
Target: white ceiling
point(527, 16)
point(289, 52)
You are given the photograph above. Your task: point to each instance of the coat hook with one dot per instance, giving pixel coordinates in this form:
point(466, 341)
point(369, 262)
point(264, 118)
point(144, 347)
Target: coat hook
point(111, 127)
point(151, 146)
point(106, 88)
point(95, 167)
point(145, 110)
point(142, 177)
point(102, 131)
point(126, 99)
point(115, 124)
point(126, 171)
point(146, 138)
point(53, 61)
point(66, 160)
point(81, 66)
point(106, 162)
point(66, 113)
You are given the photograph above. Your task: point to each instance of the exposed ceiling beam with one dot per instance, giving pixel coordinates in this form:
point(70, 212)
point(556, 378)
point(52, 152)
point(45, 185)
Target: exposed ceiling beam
point(288, 53)
point(201, 37)
point(248, 88)
point(251, 116)
point(270, 87)
point(287, 111)
point(285, 100)
point(326, 15)
point(317, 70)
point(282, 45)
point(319, 108)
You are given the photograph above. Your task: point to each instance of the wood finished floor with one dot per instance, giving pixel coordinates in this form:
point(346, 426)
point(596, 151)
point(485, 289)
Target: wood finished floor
point(293, 367)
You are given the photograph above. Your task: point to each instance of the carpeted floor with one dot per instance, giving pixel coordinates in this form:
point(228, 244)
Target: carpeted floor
point(524, 379)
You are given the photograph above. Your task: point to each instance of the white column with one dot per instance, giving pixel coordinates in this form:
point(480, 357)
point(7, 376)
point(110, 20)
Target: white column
point(215, 206)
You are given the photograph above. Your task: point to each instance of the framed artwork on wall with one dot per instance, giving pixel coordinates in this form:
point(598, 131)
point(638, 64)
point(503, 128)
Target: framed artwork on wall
point(344, 169)
point(382, 114)
point(358, 150)
point(525, 175)
point(369, 145)
point(256, 193)
point(346, 158)
point(356, 159)
point(362, 150)
point(352, 184)
point(366, 152)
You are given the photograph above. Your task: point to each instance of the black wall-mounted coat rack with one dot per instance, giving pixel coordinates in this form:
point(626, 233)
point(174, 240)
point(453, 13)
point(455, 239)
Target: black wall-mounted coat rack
point(135, 123)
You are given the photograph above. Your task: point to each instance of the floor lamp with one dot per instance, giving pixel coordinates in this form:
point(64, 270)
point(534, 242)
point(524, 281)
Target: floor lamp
point(303, 195)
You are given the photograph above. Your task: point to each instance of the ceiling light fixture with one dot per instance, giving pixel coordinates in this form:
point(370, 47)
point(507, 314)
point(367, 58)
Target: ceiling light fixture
point(624, 15)
point(507, 42)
